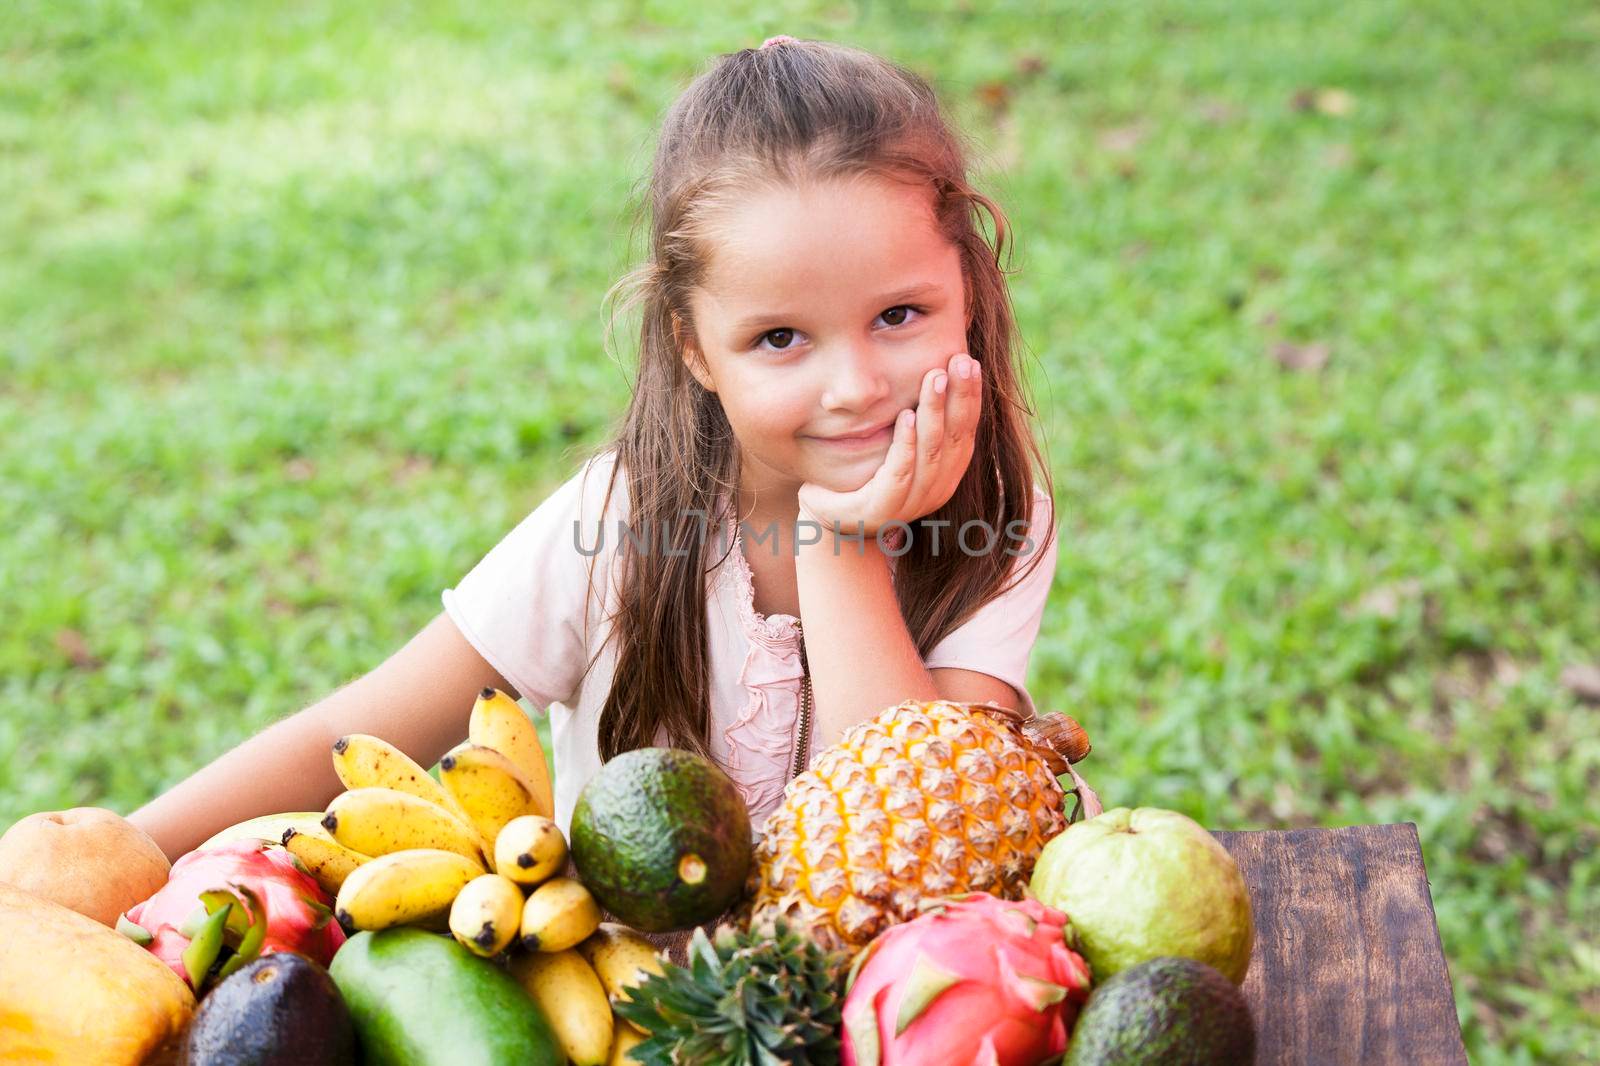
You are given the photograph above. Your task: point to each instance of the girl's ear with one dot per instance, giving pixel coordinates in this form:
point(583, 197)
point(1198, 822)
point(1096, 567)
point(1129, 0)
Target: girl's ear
point(683, 339)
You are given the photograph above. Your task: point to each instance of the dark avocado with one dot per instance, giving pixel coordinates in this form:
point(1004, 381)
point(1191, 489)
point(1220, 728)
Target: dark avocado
point(1164, 1012)
point(661, 837)
point(279, 1010)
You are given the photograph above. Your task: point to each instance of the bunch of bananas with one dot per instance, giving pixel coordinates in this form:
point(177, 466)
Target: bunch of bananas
point(476, 854)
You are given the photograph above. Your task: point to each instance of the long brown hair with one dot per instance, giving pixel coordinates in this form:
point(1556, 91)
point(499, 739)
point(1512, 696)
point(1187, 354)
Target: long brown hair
point(792, 112)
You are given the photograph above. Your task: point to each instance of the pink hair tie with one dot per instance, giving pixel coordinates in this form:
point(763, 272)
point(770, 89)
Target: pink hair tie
point(782, 38)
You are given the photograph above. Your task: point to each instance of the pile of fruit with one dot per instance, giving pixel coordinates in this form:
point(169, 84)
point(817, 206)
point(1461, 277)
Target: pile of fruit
point(921, 896)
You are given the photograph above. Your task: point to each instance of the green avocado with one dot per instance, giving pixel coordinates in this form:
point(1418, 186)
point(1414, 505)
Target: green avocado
point(279, 1010)
point(661, 837)
point(420, 999)
point(1164, 1012)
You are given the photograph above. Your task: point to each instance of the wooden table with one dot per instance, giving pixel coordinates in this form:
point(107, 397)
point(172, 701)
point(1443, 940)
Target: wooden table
point(1347, 965)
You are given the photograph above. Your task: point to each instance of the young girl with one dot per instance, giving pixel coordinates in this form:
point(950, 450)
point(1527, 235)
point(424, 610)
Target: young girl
point(822, 500)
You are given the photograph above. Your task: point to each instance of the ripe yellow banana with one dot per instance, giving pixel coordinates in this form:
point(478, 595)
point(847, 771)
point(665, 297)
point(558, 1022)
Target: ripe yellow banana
point(378, 821)
point(487, 787)
point(497, 721)
point(572, 997)
point(626, 1040)
point(529, 849)
point(560, 914)
point(487, 915)
point(410, 887)
point(268, 827)
point(621, 958)
point(365, 761)
point(324, 858)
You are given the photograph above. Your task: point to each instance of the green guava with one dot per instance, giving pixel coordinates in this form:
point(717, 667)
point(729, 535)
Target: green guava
point(1140, 884)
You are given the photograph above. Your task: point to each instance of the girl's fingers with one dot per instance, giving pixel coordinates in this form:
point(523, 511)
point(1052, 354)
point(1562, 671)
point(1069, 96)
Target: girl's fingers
point(961, 420)
point(966, 387)
point(900, 465)
point(931, 417)
point(891, 484)
point(932, 443)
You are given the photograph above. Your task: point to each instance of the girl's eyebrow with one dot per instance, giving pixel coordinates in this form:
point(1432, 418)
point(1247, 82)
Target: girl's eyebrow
point(889, 299)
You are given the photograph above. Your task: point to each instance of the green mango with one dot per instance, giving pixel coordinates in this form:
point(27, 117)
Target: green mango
point(420, 999)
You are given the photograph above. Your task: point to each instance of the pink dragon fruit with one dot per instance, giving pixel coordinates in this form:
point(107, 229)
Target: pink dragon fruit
point(976, 981)
point(248, 896)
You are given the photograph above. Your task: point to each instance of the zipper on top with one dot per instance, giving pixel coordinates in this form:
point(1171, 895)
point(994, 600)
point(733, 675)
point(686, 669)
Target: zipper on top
point(802, 741)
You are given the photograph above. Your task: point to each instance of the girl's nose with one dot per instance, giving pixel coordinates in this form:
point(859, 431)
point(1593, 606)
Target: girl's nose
point(855, 382)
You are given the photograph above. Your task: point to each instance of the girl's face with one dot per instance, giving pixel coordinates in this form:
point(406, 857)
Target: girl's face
point(822, 311)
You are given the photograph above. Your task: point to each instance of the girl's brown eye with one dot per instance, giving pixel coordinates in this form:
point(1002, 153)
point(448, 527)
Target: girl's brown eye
point(786, 334)
point(901, 311)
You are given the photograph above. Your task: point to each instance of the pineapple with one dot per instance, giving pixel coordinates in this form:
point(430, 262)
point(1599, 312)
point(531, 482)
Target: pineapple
point(924, 800)
point(742, 999)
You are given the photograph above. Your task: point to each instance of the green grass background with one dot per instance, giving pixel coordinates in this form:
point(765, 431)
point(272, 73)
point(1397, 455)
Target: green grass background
point(300, 312)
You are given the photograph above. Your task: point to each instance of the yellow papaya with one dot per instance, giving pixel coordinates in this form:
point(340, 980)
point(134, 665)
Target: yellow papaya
point(73, 991)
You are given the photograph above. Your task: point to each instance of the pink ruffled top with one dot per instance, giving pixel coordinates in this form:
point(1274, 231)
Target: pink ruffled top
point(523, 608)
point(758, 746)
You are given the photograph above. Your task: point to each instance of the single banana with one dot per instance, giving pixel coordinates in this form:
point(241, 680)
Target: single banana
point(487, 915)
point(622, 958)
point(365, 761)
point(572, 997)
point(560, 914)
point(378, 821)
point(626, 1040)
point(498, 721)
point(529, 849)
point(413, 887)
point(324, 858)
point(488, 787)
point(268, 827)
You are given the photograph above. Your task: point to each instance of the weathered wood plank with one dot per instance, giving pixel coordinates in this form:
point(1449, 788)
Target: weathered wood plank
point(1347, 965)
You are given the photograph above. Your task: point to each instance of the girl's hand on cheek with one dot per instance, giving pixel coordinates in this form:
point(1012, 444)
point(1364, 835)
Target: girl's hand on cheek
point(927, 458)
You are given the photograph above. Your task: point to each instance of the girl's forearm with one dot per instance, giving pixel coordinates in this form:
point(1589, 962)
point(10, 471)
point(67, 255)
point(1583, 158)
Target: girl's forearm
point(285, 767)
point(861, 655)
point(418, 700)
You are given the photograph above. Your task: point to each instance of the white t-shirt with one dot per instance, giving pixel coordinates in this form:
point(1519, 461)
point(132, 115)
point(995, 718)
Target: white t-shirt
point(522, 608)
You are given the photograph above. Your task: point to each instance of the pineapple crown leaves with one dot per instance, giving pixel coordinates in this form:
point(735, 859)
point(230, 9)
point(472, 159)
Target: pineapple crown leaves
point(744, 999)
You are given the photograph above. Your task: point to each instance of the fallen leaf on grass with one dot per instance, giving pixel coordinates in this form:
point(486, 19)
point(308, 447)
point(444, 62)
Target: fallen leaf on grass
point(1583, 681)
point(1335, 102)
point(1506, 672)
point(71, 643)
point(619, 80)
point(1385, 600)
point(1479, 677)
point(1329, 101)
point(995, 95)
point(1030, 64)
point(1302, 358)
point(411, 468)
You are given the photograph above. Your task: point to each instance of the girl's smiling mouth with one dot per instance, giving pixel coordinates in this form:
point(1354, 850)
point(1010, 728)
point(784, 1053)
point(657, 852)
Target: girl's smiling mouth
point(881, 434)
